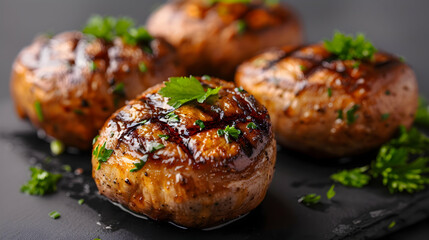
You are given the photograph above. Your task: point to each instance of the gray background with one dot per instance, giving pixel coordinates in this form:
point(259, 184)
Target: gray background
point(393, 25)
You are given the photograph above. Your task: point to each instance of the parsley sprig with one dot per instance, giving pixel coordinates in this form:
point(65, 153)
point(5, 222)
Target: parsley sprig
point(182, 90)
point(229, 132)
point(108, 28)
point(102, 154)
point(401, 164)
point(42, 182)
point(347, 47)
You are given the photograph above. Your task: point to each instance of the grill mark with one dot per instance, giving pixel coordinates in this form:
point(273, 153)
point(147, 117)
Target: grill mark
point(218, 122)
point(282, 56)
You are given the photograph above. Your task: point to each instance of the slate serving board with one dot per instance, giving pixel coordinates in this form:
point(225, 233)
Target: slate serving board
point(353, 213)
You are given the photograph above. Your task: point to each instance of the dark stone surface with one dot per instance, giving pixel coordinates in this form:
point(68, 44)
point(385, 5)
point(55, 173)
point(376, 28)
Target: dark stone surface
point(394, 25)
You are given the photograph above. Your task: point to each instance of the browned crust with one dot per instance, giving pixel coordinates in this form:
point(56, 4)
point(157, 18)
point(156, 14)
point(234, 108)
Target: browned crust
point(76, 100)
point(199, 179)
point(293, 84)
point(207, 39)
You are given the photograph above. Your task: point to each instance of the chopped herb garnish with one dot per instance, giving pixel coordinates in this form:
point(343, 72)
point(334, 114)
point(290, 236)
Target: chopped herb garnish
point(119, 89)
point(241, 26)
point(309, 199)
point(41, 182)
point(331, 192)
point(81, 201)
point(67, 168)
point(172, 117)
point(356, 177)
point(57, 147)
point(401, 59)
point(163, 136)
point(181, 90)
point(340, 114)
point(347, 47)
point(302, 67)
point(154, 146)
point(95, 139)
point(351, 114)
point(92, 66)
point(391, 225)
point(329, 92)
point(251, 125)
point(102, 154)
point(39, 112)
point(142, 67)
point(107, 28)
point(139, 165)
point(385, 116)
point(356, 65)
point(239, 89)
point(422, 114)
point(143, 122)
point(387, 92)
point(54, 215)
point(200, 124)
point(401, 164)
point(206, 77)
point(229, 132)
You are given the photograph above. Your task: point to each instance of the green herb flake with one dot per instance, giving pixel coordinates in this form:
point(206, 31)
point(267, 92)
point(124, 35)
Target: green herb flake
point(251, 125)
point(143, 122)
point(351, 114)
point(172, 117)
point(385, 116)
point(119, 89)
point(39, 112)
point(140, 164)
point(142, 67)
point(200, 124)
point(154, 146)
point(78, 112)
point(220, 132)
point(102, 154)
point(239, 89)
point(329, 92)
point(356, 177)
point(163, 136)
point(229, 132)
point(81, 201)
point(94, 140)
point(340, 114)
point(309, 199)
point(303, 68)
point(67, 168)
point(356, 64)
point(241, 26)
point(387, 92)
point(331, 192)
point(391, 225)
point(347, 47)
point(402, 59)
point(92, 66)
point(57, 147)
point(41, 182)
point(54, 215)
point(181, 90)
point(422, 114)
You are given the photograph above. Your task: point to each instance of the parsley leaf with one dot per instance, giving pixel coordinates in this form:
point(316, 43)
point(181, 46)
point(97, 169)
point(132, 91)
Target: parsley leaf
point(54, 215)
point(229, 132)
point(181, 90)
point(251, 125)
point(57, 147)
point(139, 165)
point(107, 28)
point(39, 112)
point(163, 136)
point(352, 178)
point(241, 26)
point(309, 199)
point(422, 114)
point(347, 47)
point(102, 154)
point(331, 192)
point(351, 114)
point(172, 117)
point(154, 146)
point(200, 124)
point(41, 182)
point(142, 67)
